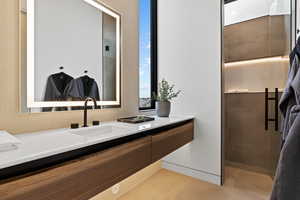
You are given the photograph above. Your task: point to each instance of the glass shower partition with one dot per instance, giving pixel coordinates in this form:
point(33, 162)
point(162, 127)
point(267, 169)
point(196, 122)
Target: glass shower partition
point(257, 42)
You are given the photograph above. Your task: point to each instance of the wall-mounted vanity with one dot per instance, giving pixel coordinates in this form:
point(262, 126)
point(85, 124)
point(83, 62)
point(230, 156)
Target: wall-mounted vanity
point(79, 164)
point(57, 73)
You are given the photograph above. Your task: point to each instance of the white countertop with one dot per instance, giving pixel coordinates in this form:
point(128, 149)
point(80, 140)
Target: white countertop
point(48, 143)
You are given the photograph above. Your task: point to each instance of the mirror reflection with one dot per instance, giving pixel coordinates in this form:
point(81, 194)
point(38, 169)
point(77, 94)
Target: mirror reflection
point(72, 49)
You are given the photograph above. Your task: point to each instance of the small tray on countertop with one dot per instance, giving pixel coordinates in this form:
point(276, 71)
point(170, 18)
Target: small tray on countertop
point(136, 119)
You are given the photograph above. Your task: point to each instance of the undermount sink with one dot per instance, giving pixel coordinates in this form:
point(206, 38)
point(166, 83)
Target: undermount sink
point(101, 131)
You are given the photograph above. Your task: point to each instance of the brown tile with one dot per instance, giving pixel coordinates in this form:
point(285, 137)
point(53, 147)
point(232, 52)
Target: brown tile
point(262, 37)
point(247, 141)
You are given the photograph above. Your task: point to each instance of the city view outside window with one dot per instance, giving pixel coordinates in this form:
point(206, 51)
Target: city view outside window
point(145, 53)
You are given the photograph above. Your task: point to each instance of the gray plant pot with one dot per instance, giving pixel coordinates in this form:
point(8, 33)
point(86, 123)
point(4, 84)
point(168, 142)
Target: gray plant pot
point(163, 108)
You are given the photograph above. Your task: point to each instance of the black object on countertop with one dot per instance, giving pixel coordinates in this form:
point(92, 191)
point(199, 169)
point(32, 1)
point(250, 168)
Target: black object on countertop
point(74, 126)
point(136, 119)
point(96, 123)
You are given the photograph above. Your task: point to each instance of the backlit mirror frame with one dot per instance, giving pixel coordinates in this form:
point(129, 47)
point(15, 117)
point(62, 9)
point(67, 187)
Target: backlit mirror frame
point(31, 102)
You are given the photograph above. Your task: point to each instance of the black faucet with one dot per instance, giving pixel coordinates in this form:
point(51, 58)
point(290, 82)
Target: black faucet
point(86, 108)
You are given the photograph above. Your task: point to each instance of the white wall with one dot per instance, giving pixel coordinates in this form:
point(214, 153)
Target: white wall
point(280, 7)
point(189, 46)
point(65, 31)
point(243, 10)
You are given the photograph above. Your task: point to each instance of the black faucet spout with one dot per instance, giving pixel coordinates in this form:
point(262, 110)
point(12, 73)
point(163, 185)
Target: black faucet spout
point(86, 108)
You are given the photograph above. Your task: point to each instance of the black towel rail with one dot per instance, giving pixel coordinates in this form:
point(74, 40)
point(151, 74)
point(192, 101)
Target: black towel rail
point(276, 118)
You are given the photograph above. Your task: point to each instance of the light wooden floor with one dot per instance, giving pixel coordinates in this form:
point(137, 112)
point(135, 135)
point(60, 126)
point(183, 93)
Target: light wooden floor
point(167, 185)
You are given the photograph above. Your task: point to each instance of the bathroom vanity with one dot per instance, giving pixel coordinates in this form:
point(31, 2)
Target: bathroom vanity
point(62, 71)
point(88, 159)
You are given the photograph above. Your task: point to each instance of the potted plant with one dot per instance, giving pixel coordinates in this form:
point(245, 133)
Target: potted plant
point(165, 94)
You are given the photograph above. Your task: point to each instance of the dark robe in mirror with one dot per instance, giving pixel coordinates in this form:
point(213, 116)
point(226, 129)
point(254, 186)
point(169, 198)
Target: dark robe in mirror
point(55, 89)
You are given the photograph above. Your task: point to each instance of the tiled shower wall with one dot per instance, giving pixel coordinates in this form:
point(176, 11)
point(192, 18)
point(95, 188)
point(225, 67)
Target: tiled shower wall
point(256, 56)
point(247, 143)
point(262, 37)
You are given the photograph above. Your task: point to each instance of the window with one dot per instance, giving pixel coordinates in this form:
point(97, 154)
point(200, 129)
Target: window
point(148, 52)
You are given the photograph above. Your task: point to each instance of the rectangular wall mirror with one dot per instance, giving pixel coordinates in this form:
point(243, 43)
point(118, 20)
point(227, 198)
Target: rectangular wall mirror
point(69, 50)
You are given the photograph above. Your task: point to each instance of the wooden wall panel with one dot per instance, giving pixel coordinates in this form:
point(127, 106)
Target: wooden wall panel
point(258, 38)
point(247, 144)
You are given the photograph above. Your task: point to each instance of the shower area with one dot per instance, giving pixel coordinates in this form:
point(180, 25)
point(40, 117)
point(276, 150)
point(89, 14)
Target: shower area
point(258, 37)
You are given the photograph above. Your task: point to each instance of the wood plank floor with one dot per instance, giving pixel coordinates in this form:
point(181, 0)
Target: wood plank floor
point(167, 185)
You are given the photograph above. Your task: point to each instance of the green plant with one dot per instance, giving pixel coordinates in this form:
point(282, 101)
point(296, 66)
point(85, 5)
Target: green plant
point(165, 92)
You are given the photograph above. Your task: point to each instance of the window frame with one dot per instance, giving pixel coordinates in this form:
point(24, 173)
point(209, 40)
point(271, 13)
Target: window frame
point(153, 56)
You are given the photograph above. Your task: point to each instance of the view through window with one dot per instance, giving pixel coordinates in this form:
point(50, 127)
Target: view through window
point(145, 53)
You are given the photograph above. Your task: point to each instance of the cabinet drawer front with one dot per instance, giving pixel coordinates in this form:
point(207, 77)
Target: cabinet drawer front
point(83, 178)
point(168, 141)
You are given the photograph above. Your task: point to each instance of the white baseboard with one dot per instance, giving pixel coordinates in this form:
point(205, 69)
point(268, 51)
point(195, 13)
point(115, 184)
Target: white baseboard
point(203, 176)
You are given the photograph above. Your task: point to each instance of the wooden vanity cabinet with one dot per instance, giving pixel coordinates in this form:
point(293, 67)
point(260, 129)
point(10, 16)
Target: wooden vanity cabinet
point(165, 142)
point(87, 176)
point(82, 178)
